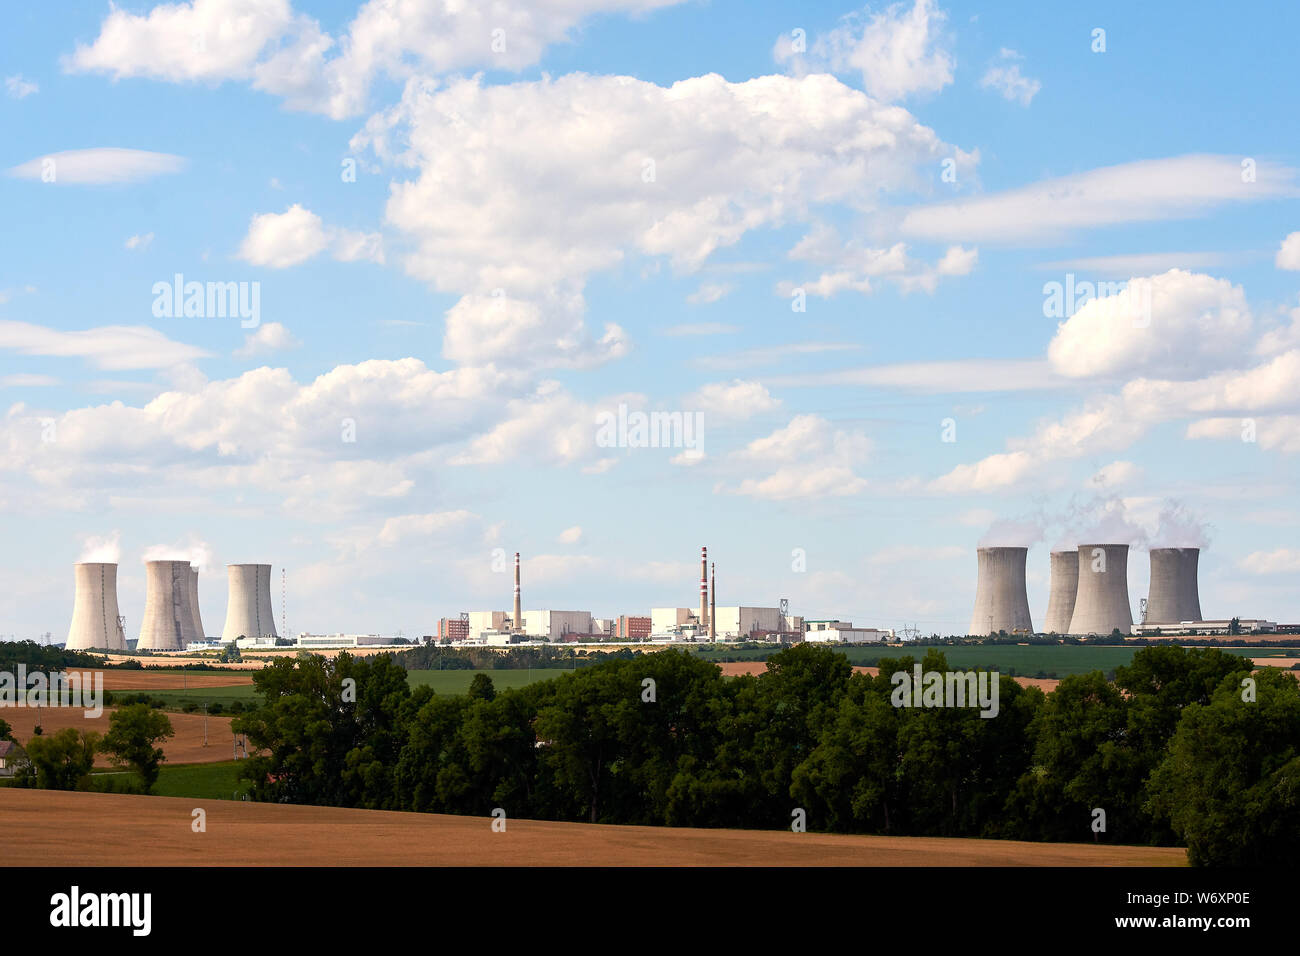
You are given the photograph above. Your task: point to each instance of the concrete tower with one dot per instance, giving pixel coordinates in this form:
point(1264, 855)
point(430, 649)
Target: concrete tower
point(168, 622)
point(1001, 602)
point(704, 589)
point(194, 602)
point(1062, 591)
point(713, 602)
point(1101, 601)
point(517, 622)
point(95, 620)
point(248, 609)
point(1173, 596)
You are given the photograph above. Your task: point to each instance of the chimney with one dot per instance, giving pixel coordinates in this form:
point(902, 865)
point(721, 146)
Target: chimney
point(713, 604)
point(518, 620)
point(704, 588)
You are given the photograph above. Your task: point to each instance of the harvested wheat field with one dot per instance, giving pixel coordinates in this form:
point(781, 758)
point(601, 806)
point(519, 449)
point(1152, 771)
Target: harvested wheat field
point(185, 747)
point(106, 829)
point(169, 680)
point(162, 660)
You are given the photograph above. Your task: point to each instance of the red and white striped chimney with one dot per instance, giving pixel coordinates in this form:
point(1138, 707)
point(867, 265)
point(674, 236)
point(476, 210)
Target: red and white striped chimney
point(518, 620)
point(704, 589)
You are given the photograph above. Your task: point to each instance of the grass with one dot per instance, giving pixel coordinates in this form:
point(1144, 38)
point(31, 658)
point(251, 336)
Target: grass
point(457, 682)
point(206, 781)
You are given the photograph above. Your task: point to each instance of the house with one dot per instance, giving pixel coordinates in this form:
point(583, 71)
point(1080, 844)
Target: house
point(10, 753)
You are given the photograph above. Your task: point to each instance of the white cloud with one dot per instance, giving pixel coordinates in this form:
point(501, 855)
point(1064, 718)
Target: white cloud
point(1280, 561)
point(732, 401)
point(1288, 254)
point(899, 52)
point(546, 331)
point(856, 264)
point(992, 473)
point(709, 292)
point(140, 242)
point(281, 240)
point(1115, 474)
point(117, 347)
point(269, 337)
point(1143, 191)
point(571, 535)
point(1179, 323)
point(18, 88)
point(1005, 77)
point(814, 459)
point(265, 43)
point(98, 166)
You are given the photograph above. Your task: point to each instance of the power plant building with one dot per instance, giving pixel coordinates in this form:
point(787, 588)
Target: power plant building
point(1062, 590)
point(555, 625)
point(96, 622)
point(1001, 601)
point(168, 622)
point(843, 632)
point(1101, 603)
point(249, 612)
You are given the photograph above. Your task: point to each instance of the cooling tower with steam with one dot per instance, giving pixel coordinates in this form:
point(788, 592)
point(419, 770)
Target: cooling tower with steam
point(1001, 602)
point(1173, 596)
point(1062, 591)
point(168, 623)
point(95, 621)
point(194, 602)
point(1101, 602)
point(249, 612)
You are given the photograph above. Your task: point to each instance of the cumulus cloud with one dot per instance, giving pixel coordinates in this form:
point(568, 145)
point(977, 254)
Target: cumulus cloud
point(854, 265)
point(814, 458)
point(1288, 254)
point(899, 52)
point(1279, 561)
point(1176, 324)
point(97, 167)
point(732, 401)
point(267, 44)
point(269, 337)
point(281, 240)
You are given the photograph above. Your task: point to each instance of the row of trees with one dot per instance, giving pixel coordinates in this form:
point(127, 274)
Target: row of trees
point(1174, 750)
point(63, 760)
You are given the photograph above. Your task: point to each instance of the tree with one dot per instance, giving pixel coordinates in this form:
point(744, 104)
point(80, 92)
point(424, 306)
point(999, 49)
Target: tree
point(59, 761)
point(6, 732)
point(481, 688)
point(132, 739)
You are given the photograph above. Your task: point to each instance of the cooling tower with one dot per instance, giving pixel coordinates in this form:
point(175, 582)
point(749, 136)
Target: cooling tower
point(1062, 591)
point(95, 621)
point(194, 602)
point(1001, 603)
point(1101, 601)
point(248, 610)
point(168, 623)
point(1173, 596)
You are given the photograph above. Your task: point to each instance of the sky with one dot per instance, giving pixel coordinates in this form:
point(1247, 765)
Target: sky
point(922, 277)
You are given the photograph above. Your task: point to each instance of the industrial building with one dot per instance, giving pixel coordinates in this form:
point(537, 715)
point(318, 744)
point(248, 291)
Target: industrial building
point(249, 612)
point(169, 620)
point(1246, 627)
point(1101, 604)
point(453, 628)
point(1062, 590)
point(341, 640)
point(96, 622)
point(556, 625)
point(843, 632)
point(1001, 601)
point(633, 628)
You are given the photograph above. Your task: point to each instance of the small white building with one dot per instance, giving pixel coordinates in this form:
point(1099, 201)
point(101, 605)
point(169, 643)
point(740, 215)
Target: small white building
point(341, 640)
point(843, 632)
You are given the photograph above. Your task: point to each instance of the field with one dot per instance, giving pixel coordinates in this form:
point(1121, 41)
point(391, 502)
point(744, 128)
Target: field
point(457, 682)
point(185, 747)
point(94, 829)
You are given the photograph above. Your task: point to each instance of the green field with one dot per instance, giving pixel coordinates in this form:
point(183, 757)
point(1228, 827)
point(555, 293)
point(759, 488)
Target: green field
point(208, 781)
point(175, 699)
point(457, 682)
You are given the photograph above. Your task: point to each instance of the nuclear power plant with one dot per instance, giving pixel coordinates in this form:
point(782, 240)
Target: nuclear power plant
point(194, 602)
point(1101, 603)
point(95, 619)
point(169, 617)
point(1173, 597)
point(1001, 601)
point(1062, 590)
point(249, 612)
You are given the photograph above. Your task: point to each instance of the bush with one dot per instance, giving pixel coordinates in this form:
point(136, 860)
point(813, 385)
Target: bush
point(216, 708)
point(189, 707)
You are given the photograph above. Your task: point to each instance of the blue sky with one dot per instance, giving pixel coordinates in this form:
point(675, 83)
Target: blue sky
point(504, 269)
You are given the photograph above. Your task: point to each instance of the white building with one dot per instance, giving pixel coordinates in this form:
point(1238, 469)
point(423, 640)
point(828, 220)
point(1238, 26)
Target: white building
point(670, 620)
point(843, 632)
point(554, 625)
point(480, 621)
point(740, 623)
point(341, 640)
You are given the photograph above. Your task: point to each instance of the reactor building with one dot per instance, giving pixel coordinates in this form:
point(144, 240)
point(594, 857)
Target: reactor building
point(1101, 602)
point(169, 617)
point(249, 612)
point(1173, 597)
point(1062, 590)
point(95, 619)
point(1001, 601)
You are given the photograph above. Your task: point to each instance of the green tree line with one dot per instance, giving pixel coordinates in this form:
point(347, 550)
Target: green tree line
point(1171, 750)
